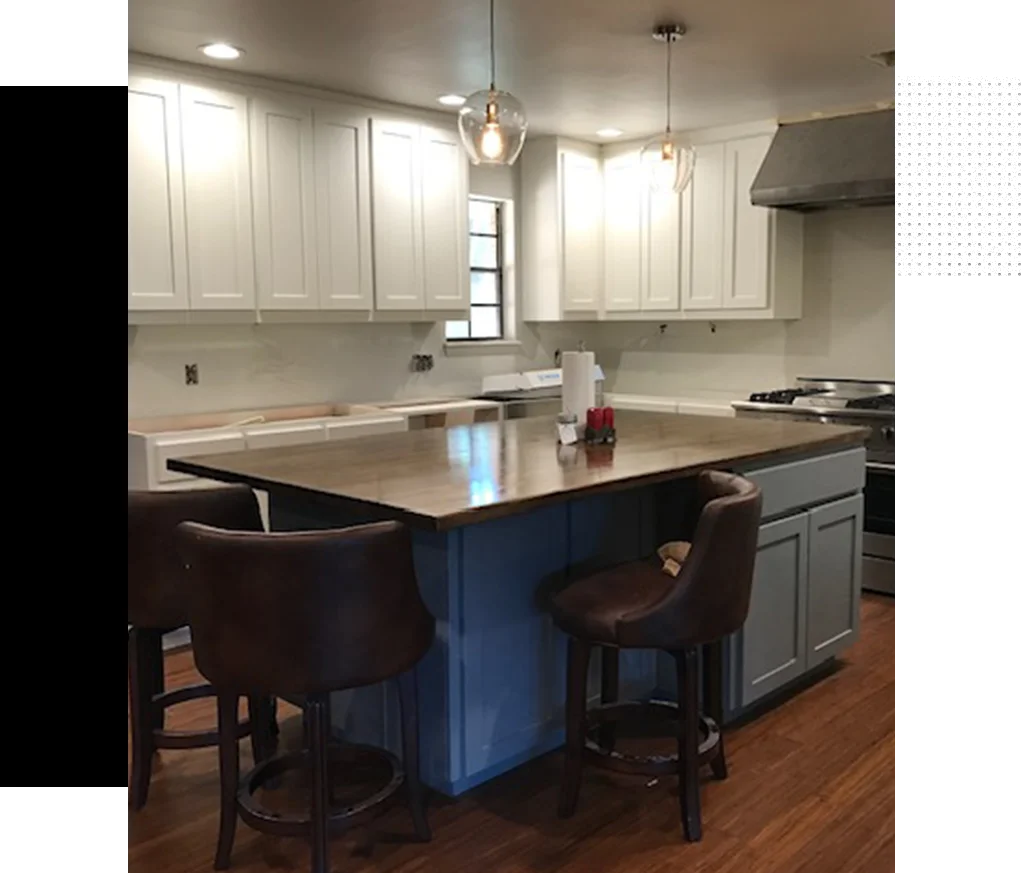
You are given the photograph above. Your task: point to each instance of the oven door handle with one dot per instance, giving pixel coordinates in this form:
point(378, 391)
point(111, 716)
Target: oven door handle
point(879, 466)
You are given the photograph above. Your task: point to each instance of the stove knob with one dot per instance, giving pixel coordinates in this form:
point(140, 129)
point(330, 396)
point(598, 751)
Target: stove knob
point(887, 433)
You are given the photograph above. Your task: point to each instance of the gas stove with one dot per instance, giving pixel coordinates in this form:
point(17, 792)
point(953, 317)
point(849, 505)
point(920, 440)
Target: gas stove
point(862, 402)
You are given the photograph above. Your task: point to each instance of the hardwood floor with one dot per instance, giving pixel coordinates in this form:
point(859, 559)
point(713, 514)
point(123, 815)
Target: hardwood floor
point(811, 790)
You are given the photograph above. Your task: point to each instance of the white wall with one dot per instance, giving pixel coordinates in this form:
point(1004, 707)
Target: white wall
point(846, 329)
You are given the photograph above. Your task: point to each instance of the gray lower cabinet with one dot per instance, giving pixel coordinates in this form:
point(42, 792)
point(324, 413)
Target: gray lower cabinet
point(834, 577)
point(771, 646)
point(805, 599)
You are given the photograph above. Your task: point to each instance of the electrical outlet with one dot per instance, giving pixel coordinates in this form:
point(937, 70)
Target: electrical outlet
point(191, 374)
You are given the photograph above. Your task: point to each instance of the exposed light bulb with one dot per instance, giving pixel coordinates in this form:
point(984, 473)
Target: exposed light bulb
point(492, 143)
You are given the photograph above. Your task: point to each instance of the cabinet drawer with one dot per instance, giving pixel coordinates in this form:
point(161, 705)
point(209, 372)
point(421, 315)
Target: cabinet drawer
point(787, 487)
point(187, 445)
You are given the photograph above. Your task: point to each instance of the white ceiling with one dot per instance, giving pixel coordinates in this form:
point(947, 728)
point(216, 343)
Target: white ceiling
point(577, 65)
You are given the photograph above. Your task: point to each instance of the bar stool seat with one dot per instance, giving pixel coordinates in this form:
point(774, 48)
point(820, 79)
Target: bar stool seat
point(638, 605)
point(301, 615)
point(593, 608)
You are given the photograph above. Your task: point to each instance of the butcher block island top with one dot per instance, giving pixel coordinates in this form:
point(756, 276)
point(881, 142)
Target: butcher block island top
point(445, 478)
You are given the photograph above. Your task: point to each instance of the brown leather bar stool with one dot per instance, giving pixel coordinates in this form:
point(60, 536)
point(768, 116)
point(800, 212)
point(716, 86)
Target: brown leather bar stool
point(157, 605)
point(299, 615)
point(639, 606)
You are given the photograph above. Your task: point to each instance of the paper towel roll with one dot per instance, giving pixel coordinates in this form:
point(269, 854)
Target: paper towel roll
point(579, 386)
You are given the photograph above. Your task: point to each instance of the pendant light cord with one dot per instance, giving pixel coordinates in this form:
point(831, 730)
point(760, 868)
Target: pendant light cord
point(492, 45)
point(669, 44)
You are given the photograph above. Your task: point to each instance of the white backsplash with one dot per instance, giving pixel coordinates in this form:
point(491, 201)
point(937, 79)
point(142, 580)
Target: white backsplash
point(243, 366)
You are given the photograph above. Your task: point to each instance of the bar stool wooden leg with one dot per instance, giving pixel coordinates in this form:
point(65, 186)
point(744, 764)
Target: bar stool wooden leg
point(159, 682)
point(609, 693)
point(408, 688)
point(712, 682)
point(577, 675)
point(319, 732)
point(687, 742)
point(227, 726)
point(141, 681)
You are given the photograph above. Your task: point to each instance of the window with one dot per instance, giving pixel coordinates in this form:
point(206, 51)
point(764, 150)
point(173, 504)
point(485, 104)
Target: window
point(485, 260)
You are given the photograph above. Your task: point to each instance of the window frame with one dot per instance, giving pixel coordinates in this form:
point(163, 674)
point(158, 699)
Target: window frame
point(501, 305)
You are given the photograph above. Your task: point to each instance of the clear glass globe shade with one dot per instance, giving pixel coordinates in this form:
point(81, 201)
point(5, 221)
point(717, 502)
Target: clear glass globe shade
point(667, 165)
point(492, 125)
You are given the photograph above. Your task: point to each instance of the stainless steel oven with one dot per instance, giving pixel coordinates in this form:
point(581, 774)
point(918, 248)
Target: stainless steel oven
point(878, 531)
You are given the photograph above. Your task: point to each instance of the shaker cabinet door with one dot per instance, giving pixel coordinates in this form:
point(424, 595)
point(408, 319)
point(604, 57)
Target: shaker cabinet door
point(397, 215)
point(157, 256)
point(702, 221)
point(581, 240)
point(344, 231)
point(444, 184)
point(284, 203)
point(218, 199)
point(745, 227)
point(772, 642)
point(661, 251)
point(623, 208)
point(834, 583)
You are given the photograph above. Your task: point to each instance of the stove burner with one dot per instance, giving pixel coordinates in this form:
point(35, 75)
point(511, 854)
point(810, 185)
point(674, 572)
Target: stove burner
point(876, 401)
point(784, 395)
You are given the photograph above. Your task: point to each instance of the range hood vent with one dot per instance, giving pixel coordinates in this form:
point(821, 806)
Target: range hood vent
point(830, 163)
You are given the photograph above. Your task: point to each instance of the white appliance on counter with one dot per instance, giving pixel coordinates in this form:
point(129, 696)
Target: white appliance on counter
point(531, 393)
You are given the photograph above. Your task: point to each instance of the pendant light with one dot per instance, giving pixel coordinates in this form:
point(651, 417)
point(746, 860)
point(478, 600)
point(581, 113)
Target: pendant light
point(668, 164)
point(492, 123)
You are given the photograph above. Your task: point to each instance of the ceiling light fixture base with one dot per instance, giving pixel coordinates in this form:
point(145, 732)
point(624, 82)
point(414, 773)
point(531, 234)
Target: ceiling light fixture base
point(669, 32)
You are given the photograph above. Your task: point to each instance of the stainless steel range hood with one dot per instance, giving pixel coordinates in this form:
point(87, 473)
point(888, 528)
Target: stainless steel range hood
point(829, 163)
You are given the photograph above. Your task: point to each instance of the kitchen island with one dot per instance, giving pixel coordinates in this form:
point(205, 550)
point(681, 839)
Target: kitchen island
point(501, 516)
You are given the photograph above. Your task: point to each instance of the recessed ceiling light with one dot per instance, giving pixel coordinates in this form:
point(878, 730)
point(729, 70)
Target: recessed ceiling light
point(609, 132)
point(451, 100)
point(222, 51)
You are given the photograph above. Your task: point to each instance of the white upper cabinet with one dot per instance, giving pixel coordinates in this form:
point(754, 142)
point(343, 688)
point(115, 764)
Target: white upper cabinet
point(420, 217)
point(622, 206)
point(283, 200)
point(562, 230)
point(581, 210)
point(218, 199)
point(444, 171)
point(157, 260)
point(702, 274)
point(396, 215)
point(737, 260)
point(344, 232)
point(642, 238)
point(745, 227)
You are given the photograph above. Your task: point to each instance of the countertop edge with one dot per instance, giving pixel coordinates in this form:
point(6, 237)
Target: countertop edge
point(480, 514)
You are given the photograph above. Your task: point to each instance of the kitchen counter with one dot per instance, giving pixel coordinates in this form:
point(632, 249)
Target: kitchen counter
point(440, 479)
point(501, 516)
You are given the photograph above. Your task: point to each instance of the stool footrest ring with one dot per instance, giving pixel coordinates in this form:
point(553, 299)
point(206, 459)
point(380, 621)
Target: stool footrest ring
point(261, 819)
point(164, 739)
point(645, 765)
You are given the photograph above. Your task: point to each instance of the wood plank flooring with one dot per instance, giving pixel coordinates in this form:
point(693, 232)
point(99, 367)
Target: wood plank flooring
point(811, 790)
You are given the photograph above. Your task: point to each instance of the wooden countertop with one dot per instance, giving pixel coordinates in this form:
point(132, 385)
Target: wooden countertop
point(446, 477)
